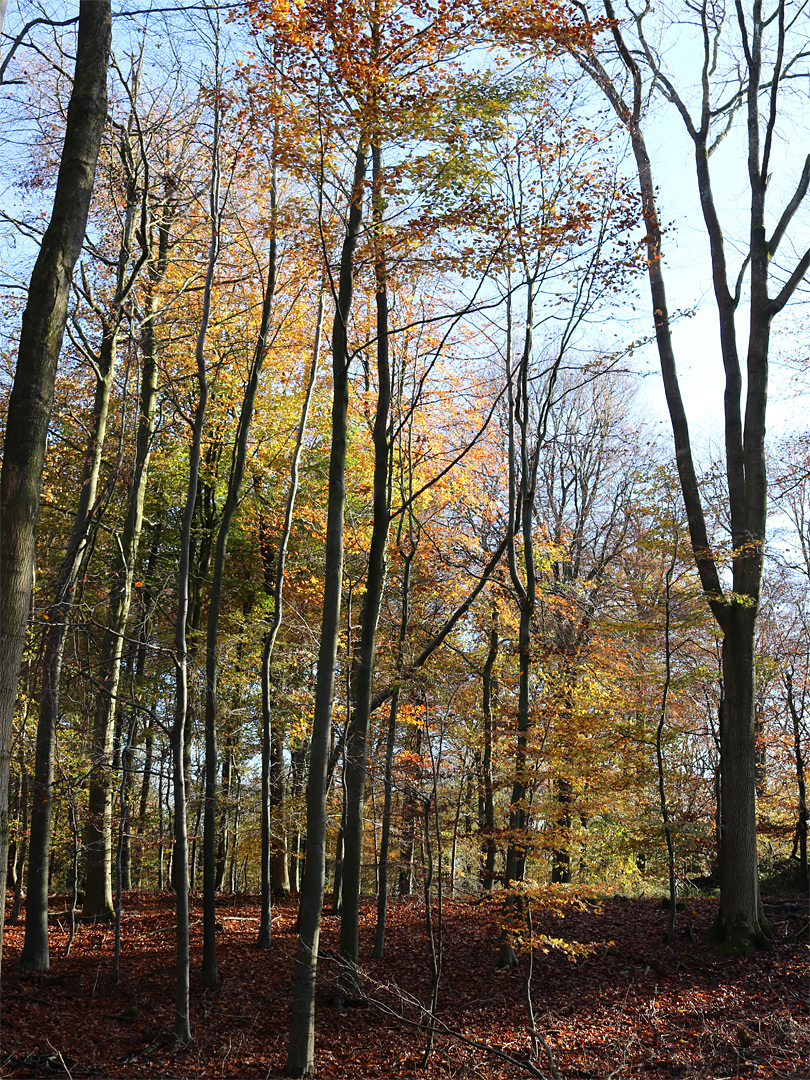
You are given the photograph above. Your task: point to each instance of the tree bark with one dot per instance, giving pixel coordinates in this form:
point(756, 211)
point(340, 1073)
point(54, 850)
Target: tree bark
point(487, 822)
point(800, 842)
point(390, 743)
point(98, 835)
point(268, 793)
point(31, 399)
point(741, 924)
point(301, 1050)
point(239, 457)
point(362, 681)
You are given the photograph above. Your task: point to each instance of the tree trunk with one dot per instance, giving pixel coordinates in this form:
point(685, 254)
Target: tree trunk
point(98, 836)
point(223, 838)
point(35, 954)
point(239, 457)
point(390, 743)
point(741, 919)
point(273, 763)
point(300, 1056)
point(800, 842)
point(22, 848)
point(487, 810)
point(179, 737)
point(31, 400)
point(362, 681)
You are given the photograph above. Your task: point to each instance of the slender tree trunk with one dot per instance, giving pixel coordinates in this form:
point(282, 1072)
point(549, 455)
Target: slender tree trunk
point(143, 801)
point(31, 399)
point(487, 824)
point(272, 785)
point(390, 743)
point(300, 1056)
point(280, 867)
point(182, 1019)
point(362, 682)
point(800, 842)
point(22, 847)
point(223, 839)
point(410, 812)
point(98, 837)
point(35, 955)
point(239, 457)
point(193, 860)
point(659, 754)
point(161, 881)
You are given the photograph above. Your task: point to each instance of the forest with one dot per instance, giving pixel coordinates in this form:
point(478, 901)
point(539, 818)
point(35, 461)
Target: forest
point(404, 623)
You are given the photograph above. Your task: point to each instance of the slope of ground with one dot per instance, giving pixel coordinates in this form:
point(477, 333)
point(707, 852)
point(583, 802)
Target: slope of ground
point(633, 1007)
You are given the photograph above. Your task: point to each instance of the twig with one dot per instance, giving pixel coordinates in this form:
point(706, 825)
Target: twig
point(441, 1028)
point(59, 1055)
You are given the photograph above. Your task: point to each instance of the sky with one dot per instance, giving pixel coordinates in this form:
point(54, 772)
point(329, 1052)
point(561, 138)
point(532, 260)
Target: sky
point(686, 257)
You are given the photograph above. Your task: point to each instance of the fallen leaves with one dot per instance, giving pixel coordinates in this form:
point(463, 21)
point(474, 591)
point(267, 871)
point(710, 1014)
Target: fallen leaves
point(633, 1008)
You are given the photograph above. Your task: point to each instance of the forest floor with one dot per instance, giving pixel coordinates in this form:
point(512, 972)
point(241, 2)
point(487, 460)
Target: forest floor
point(633, 1007)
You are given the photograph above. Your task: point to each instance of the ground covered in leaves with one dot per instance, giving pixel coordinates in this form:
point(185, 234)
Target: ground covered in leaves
point(633, 1007)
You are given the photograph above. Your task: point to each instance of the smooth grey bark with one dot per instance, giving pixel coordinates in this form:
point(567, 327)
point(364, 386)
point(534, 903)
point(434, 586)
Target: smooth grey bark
point(741, 924)
point(277, 591)
point(363, 674)
point(31, 400)
point(524, 457)
point(280, 864)
point(224, 811)
point(301, 1049)
point(237, 472)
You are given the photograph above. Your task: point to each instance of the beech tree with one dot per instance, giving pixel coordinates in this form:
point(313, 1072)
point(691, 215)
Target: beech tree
point(31, 399)
point(763, 61)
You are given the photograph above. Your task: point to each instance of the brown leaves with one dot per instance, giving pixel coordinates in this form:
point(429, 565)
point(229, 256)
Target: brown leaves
point(632, 1007)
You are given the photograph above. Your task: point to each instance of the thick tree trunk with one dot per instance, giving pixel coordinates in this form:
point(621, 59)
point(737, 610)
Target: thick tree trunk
point(300, 1056)
point(741, 919)
point(31, 399)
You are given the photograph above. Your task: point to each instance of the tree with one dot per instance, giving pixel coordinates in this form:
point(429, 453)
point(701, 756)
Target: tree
point(35, 955)
point(765, 63)
point(40, 343)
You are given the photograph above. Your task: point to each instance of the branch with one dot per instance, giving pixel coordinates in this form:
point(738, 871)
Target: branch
point(18, 40)
point(790, 209)
point(790, 286)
